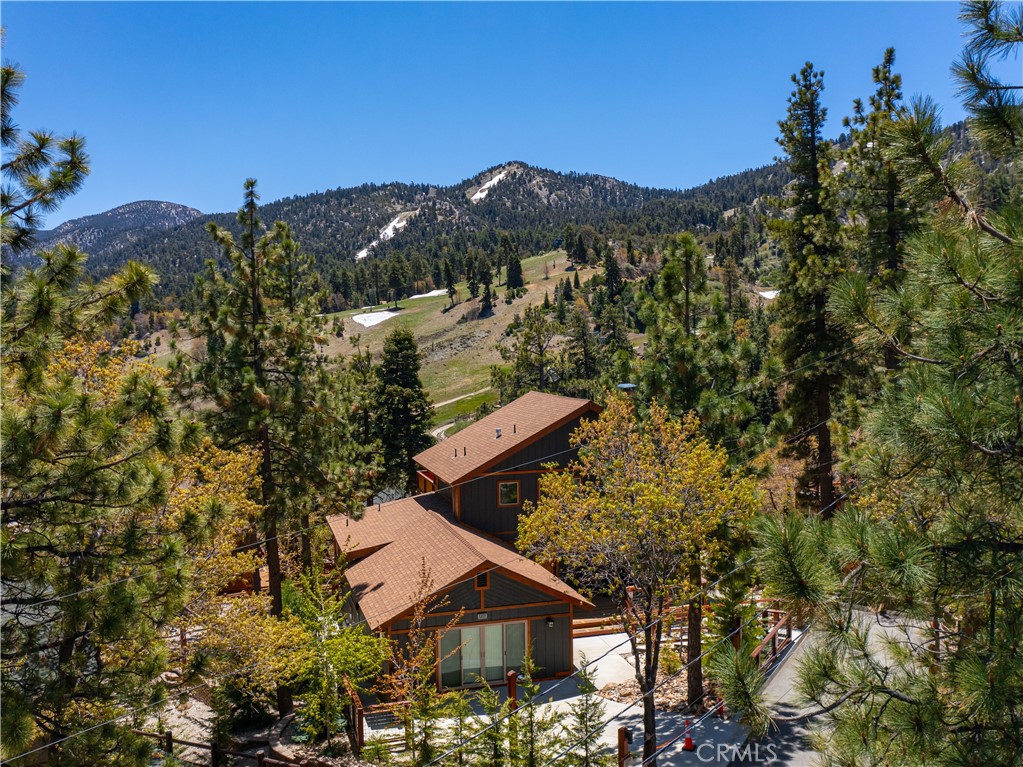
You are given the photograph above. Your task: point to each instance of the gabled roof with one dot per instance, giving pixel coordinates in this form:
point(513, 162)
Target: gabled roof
point(389, 545)
point(477, 448)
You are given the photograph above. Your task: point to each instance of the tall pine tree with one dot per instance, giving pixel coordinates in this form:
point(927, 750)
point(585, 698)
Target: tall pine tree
point(264, 382)
point(810, 344)
point(401, 410)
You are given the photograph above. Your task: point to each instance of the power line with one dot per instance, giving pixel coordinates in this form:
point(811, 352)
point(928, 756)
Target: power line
point(366, 618)
point(603, 725)
point(629, 637)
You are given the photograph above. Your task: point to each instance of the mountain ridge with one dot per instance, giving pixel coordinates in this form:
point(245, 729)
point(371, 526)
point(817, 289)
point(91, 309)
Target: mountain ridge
point(347, 227)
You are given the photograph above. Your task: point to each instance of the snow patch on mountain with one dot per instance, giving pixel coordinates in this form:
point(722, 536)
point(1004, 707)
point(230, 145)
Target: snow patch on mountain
point(370, 319)
point(481, 193)
point(397, 224)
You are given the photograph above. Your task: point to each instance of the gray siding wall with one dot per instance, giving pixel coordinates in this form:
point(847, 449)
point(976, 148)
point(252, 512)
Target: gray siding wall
point(478, 498)
point(506, 591)
point(544, 450)
point(479, 504)
point(539, 612)
point(551, 647)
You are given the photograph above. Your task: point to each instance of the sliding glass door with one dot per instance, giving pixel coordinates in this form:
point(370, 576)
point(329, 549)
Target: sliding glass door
point(472, 653)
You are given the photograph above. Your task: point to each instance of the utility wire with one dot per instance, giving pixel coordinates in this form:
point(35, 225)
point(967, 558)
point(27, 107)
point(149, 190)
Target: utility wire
point(366, 618)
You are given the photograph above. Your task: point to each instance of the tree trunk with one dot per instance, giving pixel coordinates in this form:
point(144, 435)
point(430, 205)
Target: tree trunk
point(825, 453)
point(307, 548)
point(649, 730)
point(694, 673)
point(891, 359)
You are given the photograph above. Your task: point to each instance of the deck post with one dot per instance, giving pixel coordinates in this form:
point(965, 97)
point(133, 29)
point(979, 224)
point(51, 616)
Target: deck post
point(623, 746)
point(511, 676)
point(260, 758)
point(168, 743)
point(360, 733)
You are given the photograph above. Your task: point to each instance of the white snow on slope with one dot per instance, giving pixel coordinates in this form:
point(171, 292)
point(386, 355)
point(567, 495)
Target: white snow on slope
point(770, 295)
point(400, 221)
point(482, 191)
point(374, 318)
point(431, 294)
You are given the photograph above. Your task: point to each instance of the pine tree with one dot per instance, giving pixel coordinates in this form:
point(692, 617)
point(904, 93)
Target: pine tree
point(881, 215)
point(472, 277)
point(449, 280)
point(263, 382)
point(935, 538)
point(93, 564)
point(40, 170)
point(612, 274)
point(810, 344)
point(536, 733)
point(582, 349)
point(401, 410)
point(397, 273)
point(534, 364)
point(487, 302)
point(515, 280)
point(584, 728)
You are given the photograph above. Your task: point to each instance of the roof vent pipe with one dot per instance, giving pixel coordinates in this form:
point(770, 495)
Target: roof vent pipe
point(463, 451)
point(513, 427)
point(498, 436)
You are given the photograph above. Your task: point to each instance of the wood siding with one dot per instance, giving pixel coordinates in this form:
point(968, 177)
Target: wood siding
point(548, 448)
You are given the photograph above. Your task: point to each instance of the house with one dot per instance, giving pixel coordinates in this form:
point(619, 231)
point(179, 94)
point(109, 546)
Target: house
point(460, 527)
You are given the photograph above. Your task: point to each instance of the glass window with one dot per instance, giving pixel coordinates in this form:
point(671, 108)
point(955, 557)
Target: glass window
point(493, 651)
point(475, 652)
point(472, 669)
point(508, 493)
point(451, 659)
point(514, 645)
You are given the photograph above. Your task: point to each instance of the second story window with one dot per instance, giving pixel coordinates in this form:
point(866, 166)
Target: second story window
point(508, 493)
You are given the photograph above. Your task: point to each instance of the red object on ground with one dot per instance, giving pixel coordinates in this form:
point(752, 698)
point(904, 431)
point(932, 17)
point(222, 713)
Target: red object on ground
point(688, 744)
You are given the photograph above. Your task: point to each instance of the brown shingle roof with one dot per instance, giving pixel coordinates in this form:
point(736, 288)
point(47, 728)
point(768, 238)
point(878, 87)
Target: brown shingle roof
point(476, 448)
point(391, 543)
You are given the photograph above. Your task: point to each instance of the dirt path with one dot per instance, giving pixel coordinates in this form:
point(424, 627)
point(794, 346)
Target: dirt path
point(456, 399)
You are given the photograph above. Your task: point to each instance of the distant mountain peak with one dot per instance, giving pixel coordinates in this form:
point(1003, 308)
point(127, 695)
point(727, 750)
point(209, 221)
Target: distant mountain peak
point(101, 230)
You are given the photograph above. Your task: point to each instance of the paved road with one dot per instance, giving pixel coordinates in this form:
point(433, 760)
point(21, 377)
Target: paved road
point(785, 744)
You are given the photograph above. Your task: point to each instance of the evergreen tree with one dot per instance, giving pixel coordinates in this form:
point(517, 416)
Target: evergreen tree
point(40, 170)
point(484, 272)
point(472, 277)
point(264, 383)
point(612, 274)
point(582, 349)
point(536, 737)
point(487, 302)
point(935, 538)
point(514, 272)
point(93, 565)
point(584, 728)
point(449, 281)
point(397, 273)
point(881, 215)
point(376, 273)
point(401, 410)
point(534, 365)
point(810, 344)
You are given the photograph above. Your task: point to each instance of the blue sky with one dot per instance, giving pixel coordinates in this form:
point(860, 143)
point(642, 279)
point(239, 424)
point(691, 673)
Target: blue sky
point(183, 101)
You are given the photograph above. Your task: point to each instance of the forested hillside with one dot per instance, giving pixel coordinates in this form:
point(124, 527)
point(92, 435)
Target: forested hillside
point(530, 204)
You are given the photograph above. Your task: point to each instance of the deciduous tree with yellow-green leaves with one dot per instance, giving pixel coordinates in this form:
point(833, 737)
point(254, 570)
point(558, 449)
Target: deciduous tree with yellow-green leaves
point(638, 515)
